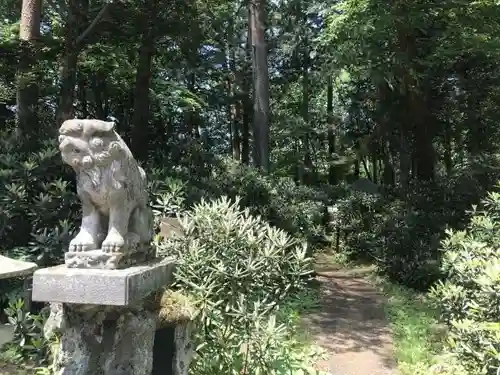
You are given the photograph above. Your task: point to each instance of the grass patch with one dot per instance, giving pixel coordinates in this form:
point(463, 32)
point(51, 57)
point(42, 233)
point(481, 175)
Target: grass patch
point(330, 260)
point(417, 335)
point(11, 362)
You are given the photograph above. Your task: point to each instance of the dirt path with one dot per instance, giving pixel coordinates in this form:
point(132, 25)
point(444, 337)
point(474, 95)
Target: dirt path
point(351, 325)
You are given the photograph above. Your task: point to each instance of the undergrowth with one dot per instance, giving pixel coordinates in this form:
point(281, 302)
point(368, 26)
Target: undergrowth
point(419, 338)
point(413, 323)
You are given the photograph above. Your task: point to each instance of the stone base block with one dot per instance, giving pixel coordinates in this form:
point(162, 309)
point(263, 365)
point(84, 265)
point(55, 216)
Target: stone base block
point(98, 259)
point(121, 287)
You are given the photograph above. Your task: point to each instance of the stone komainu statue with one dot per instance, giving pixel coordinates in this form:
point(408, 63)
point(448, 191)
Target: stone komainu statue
point(116, 227)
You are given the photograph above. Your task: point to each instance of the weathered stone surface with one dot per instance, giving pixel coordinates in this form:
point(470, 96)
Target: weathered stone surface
point(113, 192)
point(15, 268)
point(6, 334)
point(98, 259)
point(97, 341)
point(175, 313)
point(122, 287)
point(184, 349)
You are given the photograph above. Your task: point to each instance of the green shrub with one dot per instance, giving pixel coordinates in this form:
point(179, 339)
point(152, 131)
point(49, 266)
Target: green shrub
point(299, 210)
point(38, 208)
point(28, 338)
point(470, 297)
point(444, 364)
point(401, 234)
point(240, 270)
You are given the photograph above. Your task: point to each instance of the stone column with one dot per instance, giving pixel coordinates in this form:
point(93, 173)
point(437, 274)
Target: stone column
point(103, 318)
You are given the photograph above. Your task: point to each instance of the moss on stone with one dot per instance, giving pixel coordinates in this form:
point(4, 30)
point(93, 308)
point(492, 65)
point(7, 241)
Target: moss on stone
point(173, 307)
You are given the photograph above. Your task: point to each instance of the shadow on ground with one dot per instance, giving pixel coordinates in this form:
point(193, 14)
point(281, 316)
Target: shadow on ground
point(351, 324)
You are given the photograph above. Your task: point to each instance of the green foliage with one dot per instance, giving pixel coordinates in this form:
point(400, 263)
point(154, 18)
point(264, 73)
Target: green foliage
point(28, 341)
point(401, 235)
point(240, 270)
point(297, 209)
point(38, 208)
point(468, 298)
point(413, 322)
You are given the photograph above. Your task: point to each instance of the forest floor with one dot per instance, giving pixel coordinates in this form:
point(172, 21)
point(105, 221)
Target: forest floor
point(350, 324)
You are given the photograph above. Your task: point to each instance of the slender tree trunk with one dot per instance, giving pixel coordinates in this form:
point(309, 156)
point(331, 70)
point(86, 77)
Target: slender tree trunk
point(77, 15)
point(374, 158)
point(82, 94)
point(76, 31)
point(404, 159)
point(356, 169)
point(308, 165)
point(332, 177)
point(141, 116)
point(246, 100)
point(27, 86)
point(388, 177)
point(260, 85)
point(448, 164)
point(99, 90)
point(424, 153)
point(234, 107)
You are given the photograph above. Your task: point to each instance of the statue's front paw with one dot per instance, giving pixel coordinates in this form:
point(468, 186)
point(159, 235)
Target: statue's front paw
point(113, 243)
point(82, 242)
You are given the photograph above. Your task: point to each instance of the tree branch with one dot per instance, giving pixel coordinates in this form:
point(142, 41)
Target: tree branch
point(93, 24)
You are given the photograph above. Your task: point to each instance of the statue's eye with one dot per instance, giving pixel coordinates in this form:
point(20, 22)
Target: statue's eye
point(76, 150)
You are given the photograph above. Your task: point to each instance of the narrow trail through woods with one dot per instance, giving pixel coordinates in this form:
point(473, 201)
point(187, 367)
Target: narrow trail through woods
point(351, 324)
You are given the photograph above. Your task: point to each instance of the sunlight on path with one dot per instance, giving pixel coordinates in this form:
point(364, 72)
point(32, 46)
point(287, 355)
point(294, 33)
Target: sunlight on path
point(351, 326)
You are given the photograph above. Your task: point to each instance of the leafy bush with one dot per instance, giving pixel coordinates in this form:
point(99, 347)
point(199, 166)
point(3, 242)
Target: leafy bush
point(401, 234)
point(38, 207)
point(444, 364)
point(470, 297)
point(28, 331)
point(240, 270)
point(299, 210)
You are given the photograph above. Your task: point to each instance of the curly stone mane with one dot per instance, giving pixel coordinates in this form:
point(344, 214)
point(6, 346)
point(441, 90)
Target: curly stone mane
point(103, 158)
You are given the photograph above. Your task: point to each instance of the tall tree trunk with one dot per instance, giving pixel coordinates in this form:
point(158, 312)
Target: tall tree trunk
point(77, 14)
point(404, 158)
point(309, 172)
point(27, 86)
point(99, 91)
point(448, 163)
point(246, 99)
point(388, 176)
point(234, 107)
point(374, 157)
point(332, 176)
point(422, 120)
point(260, 85)
point(76, 31)
point(141, 115)
point(424, 126)
point(356, 169)
point(82, 94)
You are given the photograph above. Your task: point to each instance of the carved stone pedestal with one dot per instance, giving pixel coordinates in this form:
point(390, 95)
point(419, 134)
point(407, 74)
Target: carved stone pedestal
point(102, 341)
point(111, 322)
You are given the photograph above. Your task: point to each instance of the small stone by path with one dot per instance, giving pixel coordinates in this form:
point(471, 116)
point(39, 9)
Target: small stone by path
point(351, 325)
